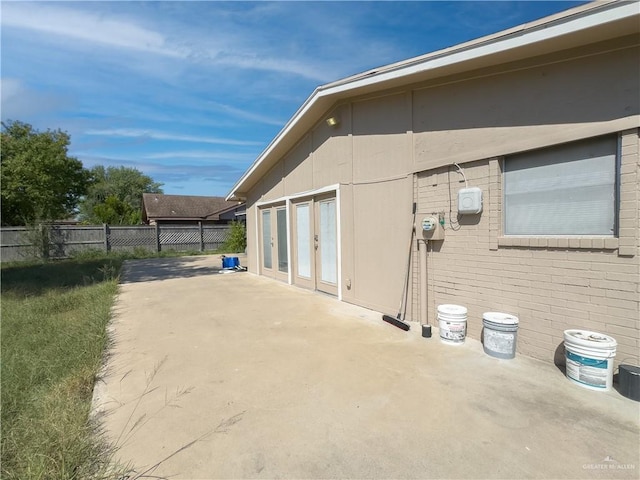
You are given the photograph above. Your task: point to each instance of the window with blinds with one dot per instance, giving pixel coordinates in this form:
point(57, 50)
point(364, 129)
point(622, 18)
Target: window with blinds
point(568, 189)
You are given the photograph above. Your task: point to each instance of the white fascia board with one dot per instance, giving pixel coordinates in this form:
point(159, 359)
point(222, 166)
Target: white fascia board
point(515, 38)
point(309, 102)
point(511, 39)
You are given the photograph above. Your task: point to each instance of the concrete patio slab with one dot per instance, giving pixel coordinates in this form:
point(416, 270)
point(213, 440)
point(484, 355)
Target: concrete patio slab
point(238, 376)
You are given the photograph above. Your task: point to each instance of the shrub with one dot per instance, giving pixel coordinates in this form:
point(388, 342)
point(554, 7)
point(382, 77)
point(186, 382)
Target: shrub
point(237, 240)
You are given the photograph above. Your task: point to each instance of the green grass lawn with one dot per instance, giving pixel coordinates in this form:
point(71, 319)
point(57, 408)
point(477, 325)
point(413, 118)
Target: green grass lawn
point(54, 318)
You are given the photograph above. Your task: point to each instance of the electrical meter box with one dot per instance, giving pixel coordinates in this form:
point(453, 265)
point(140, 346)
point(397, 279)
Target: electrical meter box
point(431, 228)
point(470, 201)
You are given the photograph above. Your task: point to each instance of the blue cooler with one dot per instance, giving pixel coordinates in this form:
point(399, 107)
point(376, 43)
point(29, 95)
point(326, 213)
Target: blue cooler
point(230, 262)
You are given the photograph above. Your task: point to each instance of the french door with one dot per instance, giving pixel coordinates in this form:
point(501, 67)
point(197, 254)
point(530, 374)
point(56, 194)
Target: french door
point(316, 244)
point(274, 242)
point(326, 246)
point(308, 246)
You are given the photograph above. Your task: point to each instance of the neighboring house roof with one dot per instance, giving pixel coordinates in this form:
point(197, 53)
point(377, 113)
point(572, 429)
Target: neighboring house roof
point(590, 23)
point(156, 206)
point(238, 210)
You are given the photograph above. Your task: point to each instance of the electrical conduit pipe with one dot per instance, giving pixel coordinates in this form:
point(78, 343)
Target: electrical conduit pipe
point(424, 313)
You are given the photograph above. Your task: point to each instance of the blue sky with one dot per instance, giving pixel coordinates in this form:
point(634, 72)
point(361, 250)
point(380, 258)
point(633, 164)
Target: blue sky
point(190, 93)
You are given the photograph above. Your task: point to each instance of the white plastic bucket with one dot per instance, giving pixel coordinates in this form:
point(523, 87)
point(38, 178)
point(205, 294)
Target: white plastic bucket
point(589, 358)
point(452, 323)
point(500, 334)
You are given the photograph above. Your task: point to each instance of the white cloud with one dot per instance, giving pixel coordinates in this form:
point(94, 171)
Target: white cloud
point(203, 155)
point(156, 135)
point(186, 172)
point(10, 88)
point(87, 27)
point(247, 115)
point(18, 101)
point(219, 48)
point(249, 60)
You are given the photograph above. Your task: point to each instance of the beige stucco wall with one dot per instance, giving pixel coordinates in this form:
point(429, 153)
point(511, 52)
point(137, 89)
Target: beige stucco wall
point(395, 148)
point(548, 103)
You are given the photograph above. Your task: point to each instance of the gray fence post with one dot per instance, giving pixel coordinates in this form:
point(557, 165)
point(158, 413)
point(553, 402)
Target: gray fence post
point(157, 237)
point(107, 245)
point(44, 240)
point(201, 236)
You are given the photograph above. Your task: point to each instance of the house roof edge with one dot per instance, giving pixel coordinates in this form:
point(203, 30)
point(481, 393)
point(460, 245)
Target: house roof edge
point(588, 16)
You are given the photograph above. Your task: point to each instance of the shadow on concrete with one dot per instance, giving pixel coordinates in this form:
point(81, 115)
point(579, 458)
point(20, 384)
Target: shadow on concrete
point(157, 269)
point(559, 359)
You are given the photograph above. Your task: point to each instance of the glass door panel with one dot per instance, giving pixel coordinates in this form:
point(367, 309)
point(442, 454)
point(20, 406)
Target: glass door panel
point(281, 226)
point(266, 239)
point(327, 242)
point(303, 240)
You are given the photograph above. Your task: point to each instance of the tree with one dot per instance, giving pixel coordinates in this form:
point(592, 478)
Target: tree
point(115, 195)
point(116, 212)
point(237, 239)
point(40, 181)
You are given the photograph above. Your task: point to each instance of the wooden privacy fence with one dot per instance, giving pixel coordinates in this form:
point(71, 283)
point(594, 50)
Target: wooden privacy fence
point(62, 241)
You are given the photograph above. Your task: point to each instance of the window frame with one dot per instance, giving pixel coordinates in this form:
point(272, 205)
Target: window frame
point(507, 239)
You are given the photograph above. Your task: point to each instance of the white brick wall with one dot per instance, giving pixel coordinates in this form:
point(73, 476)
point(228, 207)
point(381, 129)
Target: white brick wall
point(551, 284)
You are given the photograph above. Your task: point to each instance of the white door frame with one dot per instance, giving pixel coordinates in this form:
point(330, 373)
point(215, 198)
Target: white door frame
point(287, 201)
